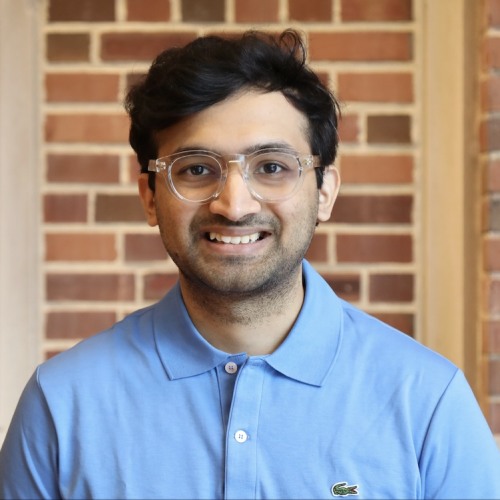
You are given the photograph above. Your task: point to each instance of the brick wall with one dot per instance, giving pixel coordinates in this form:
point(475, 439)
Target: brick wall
point(490, 158)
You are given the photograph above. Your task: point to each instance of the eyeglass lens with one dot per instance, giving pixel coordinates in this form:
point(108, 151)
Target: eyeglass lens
point(269, 175)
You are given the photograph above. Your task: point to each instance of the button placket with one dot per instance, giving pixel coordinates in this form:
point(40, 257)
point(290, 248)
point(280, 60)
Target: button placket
point(241, 467)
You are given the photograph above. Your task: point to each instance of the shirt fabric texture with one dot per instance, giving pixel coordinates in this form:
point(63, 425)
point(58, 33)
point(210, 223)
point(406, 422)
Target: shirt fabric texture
point(347, 404)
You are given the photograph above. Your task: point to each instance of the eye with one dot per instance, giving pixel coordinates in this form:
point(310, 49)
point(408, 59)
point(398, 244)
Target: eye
point(192, 168)
point(197, 170)
point(270, 168)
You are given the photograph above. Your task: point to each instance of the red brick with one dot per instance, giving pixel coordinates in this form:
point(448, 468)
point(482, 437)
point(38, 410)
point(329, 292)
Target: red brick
point(140, 46)
point(485, 215)
point(144, 247)
point(81, 87)
point(491, 53)
point(489, 134)
point(401, 321)
point(375, 87)
point(389, 129)
point(148, 10)
point(492, 337)
point(80, 247)
point(494, 377)
point(257, 11)
point(318, 251)
point(376, 169)
point(81, 10)
point(83, 168)
point(490, 94)
point(312, 10)
point(373, 209)
point(68, 47)
point(491, 253)
point(50, 354)
point(324, 78)
point(157, 285)
point(92, 128)
point(360, 46)
point(494, 418)
point(77, 324)
point(65, 208)
point(493, 217)
point(492, 296)
point(391, 288)
point(346, 286)
point(349, 128)
point(227, 32)
point(491, 178)
point(380, 10)
point(47, 354)
point(89, 287)
point(374, 248)
point(203, 11)
point(119, 208)
point(492, 11)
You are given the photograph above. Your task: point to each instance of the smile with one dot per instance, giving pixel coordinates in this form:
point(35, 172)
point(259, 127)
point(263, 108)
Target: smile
point(235, 240)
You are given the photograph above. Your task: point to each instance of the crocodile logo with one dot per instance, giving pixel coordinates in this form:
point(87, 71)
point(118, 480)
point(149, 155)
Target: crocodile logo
point(342, 490)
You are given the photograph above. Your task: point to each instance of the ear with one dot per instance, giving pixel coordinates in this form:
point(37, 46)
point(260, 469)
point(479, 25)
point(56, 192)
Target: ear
point(328, 193)
point(147, 199)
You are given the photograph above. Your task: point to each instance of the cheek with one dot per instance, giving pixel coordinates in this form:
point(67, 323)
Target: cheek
point(174, 219)
point(300, 215)
point(304, 205)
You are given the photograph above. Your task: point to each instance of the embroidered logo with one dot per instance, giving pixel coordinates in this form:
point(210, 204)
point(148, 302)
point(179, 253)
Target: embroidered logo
point(342, 490)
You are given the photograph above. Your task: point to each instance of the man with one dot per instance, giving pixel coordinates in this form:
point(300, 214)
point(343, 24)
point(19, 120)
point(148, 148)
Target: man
point(250, 379)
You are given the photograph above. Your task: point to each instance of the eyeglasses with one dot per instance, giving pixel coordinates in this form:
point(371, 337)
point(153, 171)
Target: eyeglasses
point(197, 176)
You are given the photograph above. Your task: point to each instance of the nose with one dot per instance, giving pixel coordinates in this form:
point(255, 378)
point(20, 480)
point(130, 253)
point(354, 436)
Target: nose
point(235, 200)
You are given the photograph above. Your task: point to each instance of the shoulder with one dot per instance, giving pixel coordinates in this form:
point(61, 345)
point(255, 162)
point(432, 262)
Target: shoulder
point(102, 353)
point(367, 344)
point(392, 353)
point(386, 340)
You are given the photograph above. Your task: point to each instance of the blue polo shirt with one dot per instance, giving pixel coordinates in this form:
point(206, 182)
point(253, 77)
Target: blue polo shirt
point(345, 407)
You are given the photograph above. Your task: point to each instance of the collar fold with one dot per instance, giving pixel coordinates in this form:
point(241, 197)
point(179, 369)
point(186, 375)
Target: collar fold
point(308, 352)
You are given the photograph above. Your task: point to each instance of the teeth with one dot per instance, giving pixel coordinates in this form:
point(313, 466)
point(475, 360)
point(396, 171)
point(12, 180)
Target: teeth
point(235, 240)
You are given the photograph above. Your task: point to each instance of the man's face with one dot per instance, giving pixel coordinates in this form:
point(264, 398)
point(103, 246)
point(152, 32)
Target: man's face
point(237, 244)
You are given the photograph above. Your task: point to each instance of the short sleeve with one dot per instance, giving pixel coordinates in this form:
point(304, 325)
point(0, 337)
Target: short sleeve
point(28, 458)
point(460, 458)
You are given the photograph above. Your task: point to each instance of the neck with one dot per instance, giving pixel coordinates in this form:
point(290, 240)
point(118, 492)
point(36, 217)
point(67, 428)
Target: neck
point(253, 323)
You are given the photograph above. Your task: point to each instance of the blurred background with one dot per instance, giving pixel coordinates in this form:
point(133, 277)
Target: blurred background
point(414, 238)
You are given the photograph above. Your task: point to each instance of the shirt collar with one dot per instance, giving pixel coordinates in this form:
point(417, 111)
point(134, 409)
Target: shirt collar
point(306, 355)
point(308, 352)
point(182, 350)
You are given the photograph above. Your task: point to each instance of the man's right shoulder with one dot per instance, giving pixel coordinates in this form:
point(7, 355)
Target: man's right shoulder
point(101, 352)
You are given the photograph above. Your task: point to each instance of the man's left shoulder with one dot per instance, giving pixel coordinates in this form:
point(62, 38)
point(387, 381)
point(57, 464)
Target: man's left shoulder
point(389, 345)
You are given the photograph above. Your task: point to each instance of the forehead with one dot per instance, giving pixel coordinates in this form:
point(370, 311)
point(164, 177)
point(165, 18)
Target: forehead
point(238, 124)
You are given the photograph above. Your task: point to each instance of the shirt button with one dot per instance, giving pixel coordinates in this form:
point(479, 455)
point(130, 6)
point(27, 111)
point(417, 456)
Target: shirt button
point(240, 436)
point(231, 367)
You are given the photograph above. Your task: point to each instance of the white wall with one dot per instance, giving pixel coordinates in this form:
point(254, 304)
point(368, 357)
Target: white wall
point(20, 209)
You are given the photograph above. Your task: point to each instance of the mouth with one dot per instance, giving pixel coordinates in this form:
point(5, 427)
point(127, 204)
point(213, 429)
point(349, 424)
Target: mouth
point(243, 239)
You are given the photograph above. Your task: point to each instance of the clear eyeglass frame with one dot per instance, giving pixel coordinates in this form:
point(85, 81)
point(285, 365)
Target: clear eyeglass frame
point(268, 188)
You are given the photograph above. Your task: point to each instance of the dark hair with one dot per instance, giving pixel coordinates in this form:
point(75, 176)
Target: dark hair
point(184, 81)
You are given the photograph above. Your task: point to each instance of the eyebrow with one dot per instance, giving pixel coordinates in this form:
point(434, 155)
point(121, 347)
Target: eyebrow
point(249, 150)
